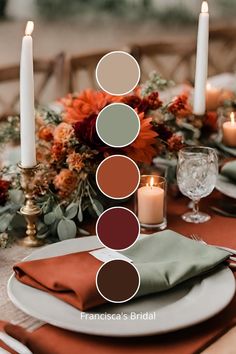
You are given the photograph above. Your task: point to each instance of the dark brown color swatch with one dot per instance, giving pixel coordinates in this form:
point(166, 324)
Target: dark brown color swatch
point(118, 228)
point(118, 176)
point(118, 281)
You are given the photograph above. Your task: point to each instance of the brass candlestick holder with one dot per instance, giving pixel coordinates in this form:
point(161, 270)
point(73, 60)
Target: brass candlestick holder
point(30, 210)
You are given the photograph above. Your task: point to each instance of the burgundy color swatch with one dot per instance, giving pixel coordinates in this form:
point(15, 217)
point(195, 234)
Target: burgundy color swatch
point(118, 280)
point(118, 228)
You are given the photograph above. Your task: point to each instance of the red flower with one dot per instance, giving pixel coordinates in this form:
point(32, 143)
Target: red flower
point(175, 143)
point(133, 101)
point(4, 186)
point(153, 101)
point(180, 106)
point(85, 132)
point(164, 133)
point(210, 123)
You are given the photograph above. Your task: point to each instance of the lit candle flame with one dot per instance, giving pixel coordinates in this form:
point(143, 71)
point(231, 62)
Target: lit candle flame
point(151, 182)
point(232, 118)
point(208, 86)
point(204, 7)
point(29, 28)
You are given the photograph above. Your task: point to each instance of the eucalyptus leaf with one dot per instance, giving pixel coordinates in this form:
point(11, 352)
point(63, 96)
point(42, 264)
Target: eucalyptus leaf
point(43, 231)
point(66, 229)
point(49, 218)
point(71, 210)
point(5, 208)
point(42, 228)
point(83, 232)
point(97, 207)
point(58, 212)
point(16, 196)
point(80, 213)
point(53, 229)
point(18, 221)
point(5, 221)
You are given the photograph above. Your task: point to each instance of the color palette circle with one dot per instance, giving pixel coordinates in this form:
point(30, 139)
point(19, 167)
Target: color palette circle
point(118, 125)
point(117, 176)
point(118, 228)
point(117, 73)
point(118, 281)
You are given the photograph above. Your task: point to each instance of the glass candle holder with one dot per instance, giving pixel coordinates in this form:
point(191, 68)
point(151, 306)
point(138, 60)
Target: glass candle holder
point(150, 202)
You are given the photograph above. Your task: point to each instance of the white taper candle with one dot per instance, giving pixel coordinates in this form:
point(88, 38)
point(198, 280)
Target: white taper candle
point(199, 104)
point(27, 113)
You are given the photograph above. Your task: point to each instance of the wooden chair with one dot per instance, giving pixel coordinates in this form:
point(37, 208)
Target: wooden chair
point(222, 50)
point(173, 59)
point(49, 83)
point(81, 70)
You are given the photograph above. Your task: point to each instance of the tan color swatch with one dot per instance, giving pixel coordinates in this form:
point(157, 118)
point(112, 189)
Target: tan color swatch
point(118, 73)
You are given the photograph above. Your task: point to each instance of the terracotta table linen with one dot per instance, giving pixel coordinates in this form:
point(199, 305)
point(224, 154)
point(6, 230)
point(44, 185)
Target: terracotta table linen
point(219, 230)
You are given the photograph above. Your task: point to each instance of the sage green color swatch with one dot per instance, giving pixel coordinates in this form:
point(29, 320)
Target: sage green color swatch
point(118, 125)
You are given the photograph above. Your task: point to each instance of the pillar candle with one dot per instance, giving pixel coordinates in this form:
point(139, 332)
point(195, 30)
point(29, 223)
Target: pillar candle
point(229, 131)
point(27, 114)
point(150, 204)
point(199, 104)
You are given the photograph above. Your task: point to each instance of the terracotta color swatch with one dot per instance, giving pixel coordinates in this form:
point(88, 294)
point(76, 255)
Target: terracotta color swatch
point(118, 228)
point(118, 281)
point(117, 176)
point(118, 73)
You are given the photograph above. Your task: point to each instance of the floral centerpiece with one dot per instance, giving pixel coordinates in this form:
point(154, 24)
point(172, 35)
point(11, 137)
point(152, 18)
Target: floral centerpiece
point(69, 151)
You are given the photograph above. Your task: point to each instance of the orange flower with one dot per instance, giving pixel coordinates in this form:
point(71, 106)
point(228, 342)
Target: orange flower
point(75, 161)
point(87, 103)
point(58, 151)
point(142, 150)
point(43, 154)
point(46, 132)
point(66, 182)
point(63, 133)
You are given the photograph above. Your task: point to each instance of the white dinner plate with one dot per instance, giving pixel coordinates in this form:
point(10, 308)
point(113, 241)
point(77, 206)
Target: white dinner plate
point(186, 305)
point(226, 187)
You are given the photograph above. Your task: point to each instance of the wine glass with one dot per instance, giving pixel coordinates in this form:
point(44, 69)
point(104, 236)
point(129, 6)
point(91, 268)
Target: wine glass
point(197, 172)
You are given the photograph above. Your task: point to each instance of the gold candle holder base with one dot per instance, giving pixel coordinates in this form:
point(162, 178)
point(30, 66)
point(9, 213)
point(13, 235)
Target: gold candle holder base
point(30, 210)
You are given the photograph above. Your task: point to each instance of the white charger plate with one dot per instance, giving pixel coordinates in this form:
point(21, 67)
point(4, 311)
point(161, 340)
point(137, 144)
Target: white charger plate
point(187, 304)
point(226, 187)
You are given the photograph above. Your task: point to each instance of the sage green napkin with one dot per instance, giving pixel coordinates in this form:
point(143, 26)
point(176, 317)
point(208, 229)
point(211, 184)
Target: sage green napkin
point(229, 170)
point(166, 259)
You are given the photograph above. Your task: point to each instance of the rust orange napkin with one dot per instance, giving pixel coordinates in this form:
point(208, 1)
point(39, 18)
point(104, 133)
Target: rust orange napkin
point(52, 340)
point(70, 278)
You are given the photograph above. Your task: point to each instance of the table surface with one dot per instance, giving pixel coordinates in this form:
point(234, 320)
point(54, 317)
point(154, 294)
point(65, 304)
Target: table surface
point(219, 230)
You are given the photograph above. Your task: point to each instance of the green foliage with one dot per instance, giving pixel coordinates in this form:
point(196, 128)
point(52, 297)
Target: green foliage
point(10, 131)
point(50, 116)
point(155, 83)
point(176, 14)
point(227, 7)
point(61, 8)
point(66, 229)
